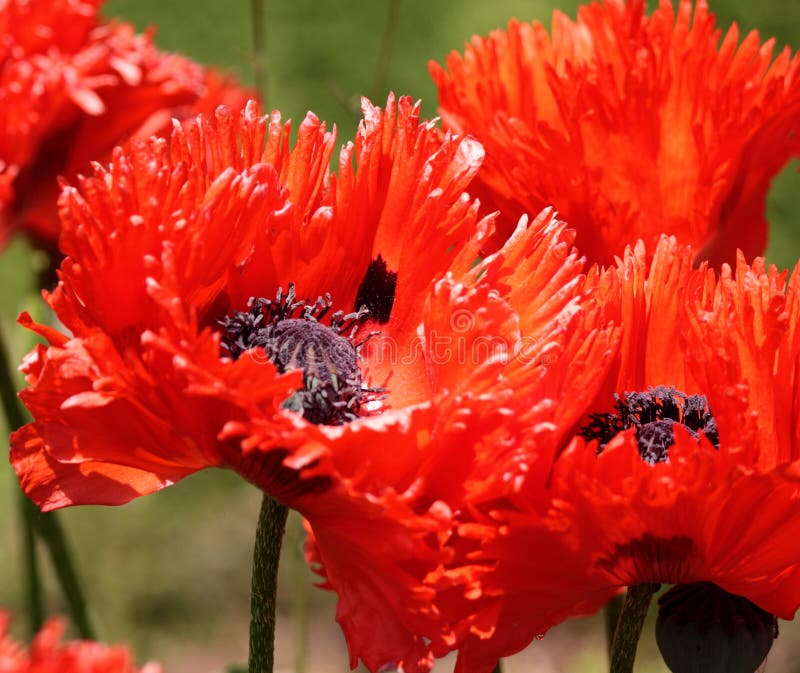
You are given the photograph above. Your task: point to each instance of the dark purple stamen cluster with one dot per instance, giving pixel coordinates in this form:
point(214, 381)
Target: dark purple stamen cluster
point(291, 335)
point(654, 414)
point(377, 290)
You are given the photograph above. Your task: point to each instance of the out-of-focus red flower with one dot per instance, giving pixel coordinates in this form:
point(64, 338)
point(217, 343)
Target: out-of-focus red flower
point(48, 655)
point(630, 125)
point(186, 265)
point(690, 476)
point(73, 86)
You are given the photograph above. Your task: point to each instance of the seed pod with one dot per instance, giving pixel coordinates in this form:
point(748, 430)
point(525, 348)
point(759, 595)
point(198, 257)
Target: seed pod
point(704, 629)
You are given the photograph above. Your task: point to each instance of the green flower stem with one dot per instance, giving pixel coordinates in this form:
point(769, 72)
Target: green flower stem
point(498, 667)
point(45, 525)
point(257, 18)
point(611, 614)
point(263, 596)
point(31, 579)
point(385, 51)
point(52, 534)
point(629, 626)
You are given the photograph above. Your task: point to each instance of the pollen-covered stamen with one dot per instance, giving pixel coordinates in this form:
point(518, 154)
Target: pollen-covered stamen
point(654, 414)
point(291, 335)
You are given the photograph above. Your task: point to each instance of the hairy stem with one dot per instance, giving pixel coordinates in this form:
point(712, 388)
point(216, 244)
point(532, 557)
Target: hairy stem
point(263, 596)
point(629, 626)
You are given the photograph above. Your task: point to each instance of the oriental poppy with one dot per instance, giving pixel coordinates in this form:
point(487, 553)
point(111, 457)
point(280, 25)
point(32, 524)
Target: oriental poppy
point(72, 87)
point(630, 125)
point(47, 655)
point(685, 473)
point(329, 337)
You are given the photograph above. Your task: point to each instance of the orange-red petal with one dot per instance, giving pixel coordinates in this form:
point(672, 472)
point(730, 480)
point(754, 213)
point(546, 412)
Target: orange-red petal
point(632, 126)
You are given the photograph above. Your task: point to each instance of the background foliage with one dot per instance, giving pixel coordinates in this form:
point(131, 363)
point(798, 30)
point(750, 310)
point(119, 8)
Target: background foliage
point(170, 573)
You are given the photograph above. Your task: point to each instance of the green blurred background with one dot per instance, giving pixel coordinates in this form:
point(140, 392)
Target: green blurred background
point(170, 573)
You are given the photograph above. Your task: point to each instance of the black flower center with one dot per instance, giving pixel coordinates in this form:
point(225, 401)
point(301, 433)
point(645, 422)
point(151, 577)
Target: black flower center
point(376, 291)
point(654, 414)
point(291, 335)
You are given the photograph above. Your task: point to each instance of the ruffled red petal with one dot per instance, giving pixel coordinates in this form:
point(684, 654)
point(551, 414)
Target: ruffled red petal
point(631, 125)
point(375, 535)
point(604, 521)
point(511, 395)
point(501, 409)
point(72, 88)
point(103, 432)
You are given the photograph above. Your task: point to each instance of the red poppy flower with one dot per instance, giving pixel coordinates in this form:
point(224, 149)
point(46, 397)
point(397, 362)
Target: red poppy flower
point(186, 265)
point(689, 476)
point(47, 655)
point(507, 417)
point(72, 87)
point(630, 125)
